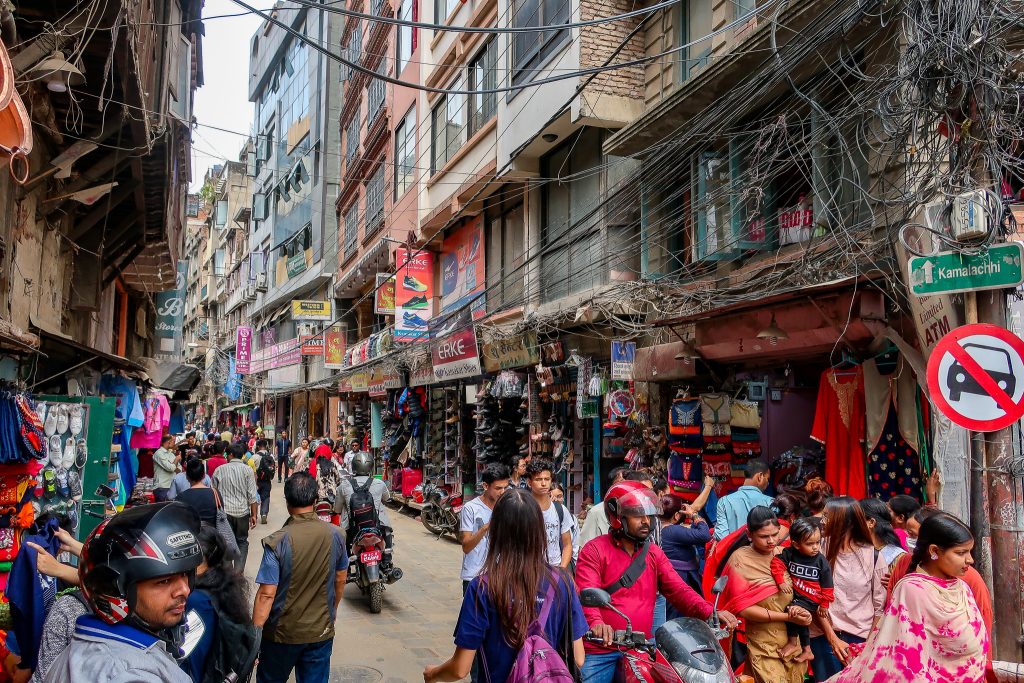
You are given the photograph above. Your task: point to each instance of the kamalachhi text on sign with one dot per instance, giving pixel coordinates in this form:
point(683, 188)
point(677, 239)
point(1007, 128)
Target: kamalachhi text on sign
point(997, 268)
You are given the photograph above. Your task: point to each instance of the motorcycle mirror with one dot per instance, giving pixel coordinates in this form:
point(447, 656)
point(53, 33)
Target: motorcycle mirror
point(719, 585)
point(595, 597)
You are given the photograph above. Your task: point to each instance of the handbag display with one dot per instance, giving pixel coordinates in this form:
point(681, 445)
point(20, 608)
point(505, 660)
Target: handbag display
point(224, 529)
point(745, 415)
point(715, 408)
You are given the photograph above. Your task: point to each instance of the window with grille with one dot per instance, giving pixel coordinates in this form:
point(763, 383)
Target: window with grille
point(405, 153)
point(351, 230)
point(374, 97)
point(352, 140)
point(374, 200)
point(483, 75)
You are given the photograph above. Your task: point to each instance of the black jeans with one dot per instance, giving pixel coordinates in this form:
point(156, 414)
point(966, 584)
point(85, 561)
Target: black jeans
point(282, 466)
point(240, 525)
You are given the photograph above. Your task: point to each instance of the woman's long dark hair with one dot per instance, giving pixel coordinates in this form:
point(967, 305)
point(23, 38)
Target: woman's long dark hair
point(845, 527)
point(517, 562)
point(878, 511)
point(221, 581)
point(942, 530)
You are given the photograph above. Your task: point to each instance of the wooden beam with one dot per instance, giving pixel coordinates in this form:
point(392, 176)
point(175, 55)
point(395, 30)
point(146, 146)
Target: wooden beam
point(118, 267)
point(102, 208)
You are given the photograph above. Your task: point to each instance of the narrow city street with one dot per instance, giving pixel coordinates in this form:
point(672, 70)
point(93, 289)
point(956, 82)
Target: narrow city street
point(414, 629)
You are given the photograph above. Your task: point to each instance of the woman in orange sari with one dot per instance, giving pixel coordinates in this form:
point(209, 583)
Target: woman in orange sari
point(753, 595)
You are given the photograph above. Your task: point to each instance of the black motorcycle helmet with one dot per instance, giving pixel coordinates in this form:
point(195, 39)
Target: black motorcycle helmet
point(362, 464)
point(141, 543)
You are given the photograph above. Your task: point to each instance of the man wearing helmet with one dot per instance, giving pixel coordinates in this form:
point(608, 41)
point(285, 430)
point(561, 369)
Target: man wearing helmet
point(362, 472)
point(137, 570)
point(634, 571)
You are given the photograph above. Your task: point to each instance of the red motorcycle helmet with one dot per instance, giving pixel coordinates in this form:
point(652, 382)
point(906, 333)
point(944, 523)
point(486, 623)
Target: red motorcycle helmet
point(629, 499)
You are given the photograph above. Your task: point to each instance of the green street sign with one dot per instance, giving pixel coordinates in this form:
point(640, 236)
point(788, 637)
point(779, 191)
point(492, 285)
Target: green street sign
point(949, 271)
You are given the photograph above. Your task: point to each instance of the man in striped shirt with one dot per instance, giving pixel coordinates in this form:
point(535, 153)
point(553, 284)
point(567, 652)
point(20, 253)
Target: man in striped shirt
point(236, 484)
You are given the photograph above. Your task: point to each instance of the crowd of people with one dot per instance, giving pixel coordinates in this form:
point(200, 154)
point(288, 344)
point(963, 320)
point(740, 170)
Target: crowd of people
point(845, 590)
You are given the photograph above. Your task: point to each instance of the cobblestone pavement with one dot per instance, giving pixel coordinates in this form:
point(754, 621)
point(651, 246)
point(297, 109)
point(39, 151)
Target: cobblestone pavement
point(415, 627)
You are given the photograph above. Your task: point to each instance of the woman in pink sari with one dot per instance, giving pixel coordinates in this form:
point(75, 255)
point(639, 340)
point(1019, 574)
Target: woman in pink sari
point(932, 630)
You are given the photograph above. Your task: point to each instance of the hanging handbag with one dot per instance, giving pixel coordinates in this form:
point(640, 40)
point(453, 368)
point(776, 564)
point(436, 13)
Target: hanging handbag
point(745, 415)
point(224, 530)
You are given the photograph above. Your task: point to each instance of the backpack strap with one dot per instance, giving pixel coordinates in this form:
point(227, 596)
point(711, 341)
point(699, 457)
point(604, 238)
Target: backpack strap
point(633, 572)
point(560, 509)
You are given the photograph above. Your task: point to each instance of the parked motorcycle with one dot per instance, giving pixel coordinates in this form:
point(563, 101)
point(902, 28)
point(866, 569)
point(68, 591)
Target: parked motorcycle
point(684, 650)
point(365, 568)
point(441, 509)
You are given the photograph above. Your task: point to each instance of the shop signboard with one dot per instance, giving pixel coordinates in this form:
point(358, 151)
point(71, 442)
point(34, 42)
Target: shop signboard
point(296, 264)
point(999, 267)
point(334, 349)
point(170, 317)
point(360, 381)
point(345, 385)
point(243, 350)
point(287, 376)
point(311, 310)
point(623, 357)
point(516, 352)
point(384, 295)
point(455, 356)
point(976, 377)
point(414, 294)
point(276, 356)
point(463, 278)
point(381, 379)
point(312, 344)
point(421, 375)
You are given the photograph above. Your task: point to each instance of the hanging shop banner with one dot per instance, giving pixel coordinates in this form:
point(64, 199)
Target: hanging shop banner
point(414, 294)
point(243, 350)
point(623, 358)
point(421, 375)
point(384, 295)
point(360, 381)
point(381, 379)
point(334, 349)
point(312, 344)
point(279, 378)
point(311, 310)
point(345, 385)
point(276, 356)
point(233, 385)
point(976, 377)
point(170, 316)
point(517, 352)
point(462, 268)
point(455, 356)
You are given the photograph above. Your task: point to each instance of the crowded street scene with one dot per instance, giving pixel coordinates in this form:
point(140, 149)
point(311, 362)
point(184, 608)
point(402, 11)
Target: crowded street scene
point(512, 341)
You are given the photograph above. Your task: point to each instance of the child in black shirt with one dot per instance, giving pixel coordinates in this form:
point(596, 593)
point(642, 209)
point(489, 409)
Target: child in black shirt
point(812, 582)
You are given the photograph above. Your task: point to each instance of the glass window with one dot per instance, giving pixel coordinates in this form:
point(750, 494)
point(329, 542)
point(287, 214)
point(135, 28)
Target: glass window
point(505, 253)
point(483, 75)
point(352, 140)
point(406, 35)
point(351, 230)
point(295, 96)
point(695, 23)
point(530, 49)
point(448, 128)
point(405, 153)
point(374, 201)
point(444, 9)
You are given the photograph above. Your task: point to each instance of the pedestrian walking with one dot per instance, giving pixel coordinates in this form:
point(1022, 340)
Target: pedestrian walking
point(732, 510)
point(299, 459)
point(181, 483)
point(557, 520)
point(217, 459)
point(266, 465)
point(516, 588)
point(199, 496)
point(557, 492)
point(165, 466)
point(888, 544)
point(235, 482)
point(299, 586)
point(282, 449)
point(932, 629)
point(596, 522)
point(683, 534)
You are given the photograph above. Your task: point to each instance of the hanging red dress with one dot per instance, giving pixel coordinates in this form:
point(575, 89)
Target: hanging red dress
point(839, 425)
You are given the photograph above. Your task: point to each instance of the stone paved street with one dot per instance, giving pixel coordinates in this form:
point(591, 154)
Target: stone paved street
point(414, 629)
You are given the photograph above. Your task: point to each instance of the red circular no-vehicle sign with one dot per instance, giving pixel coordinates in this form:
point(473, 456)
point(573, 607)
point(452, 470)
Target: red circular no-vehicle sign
point(976, 377)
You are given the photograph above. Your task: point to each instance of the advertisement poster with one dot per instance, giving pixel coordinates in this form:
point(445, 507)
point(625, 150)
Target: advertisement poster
point(414, 295)
point(313, 345)
point(170, 316)
point(334, 349)
point(455, 356)
point(462, 268)
point(243, 350)
point(384, 296)
point(311, 310)
point(623, 356)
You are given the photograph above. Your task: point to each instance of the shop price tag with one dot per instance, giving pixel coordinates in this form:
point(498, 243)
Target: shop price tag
point(976, 377)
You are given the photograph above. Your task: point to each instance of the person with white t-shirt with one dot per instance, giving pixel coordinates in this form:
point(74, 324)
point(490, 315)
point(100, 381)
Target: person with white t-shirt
point(557, 519)
point(475, 519)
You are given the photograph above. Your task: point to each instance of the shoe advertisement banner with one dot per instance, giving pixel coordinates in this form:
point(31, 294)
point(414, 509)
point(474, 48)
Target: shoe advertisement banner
point(455, 355)
point(414, 294)
point(463, 278)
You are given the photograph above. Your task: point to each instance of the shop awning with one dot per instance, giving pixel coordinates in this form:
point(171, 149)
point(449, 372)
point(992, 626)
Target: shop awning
point(64, 353)
point(172, 376)
point(236, 407)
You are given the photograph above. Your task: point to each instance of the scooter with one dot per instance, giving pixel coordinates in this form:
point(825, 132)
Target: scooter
point(441, 509)
point(365, 568)
point(684, 650)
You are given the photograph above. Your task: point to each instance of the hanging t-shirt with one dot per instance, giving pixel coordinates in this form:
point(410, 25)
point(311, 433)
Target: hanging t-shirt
point(839, 425)
point(177, 420)
point(157, 419)
point(31, 593)
point(129, 407)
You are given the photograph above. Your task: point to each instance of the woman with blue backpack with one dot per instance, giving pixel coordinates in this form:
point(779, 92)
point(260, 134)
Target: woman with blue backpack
point(518, 608)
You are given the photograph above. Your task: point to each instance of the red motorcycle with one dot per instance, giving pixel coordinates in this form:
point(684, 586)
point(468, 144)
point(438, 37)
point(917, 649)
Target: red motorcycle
point(441, 509)
point(684, 650)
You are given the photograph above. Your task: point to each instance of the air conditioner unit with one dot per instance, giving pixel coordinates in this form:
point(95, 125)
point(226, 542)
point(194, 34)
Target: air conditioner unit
point(249, 294)
point(261, 282)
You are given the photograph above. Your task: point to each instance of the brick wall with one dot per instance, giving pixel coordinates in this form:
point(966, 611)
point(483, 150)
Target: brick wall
point(598, 42)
